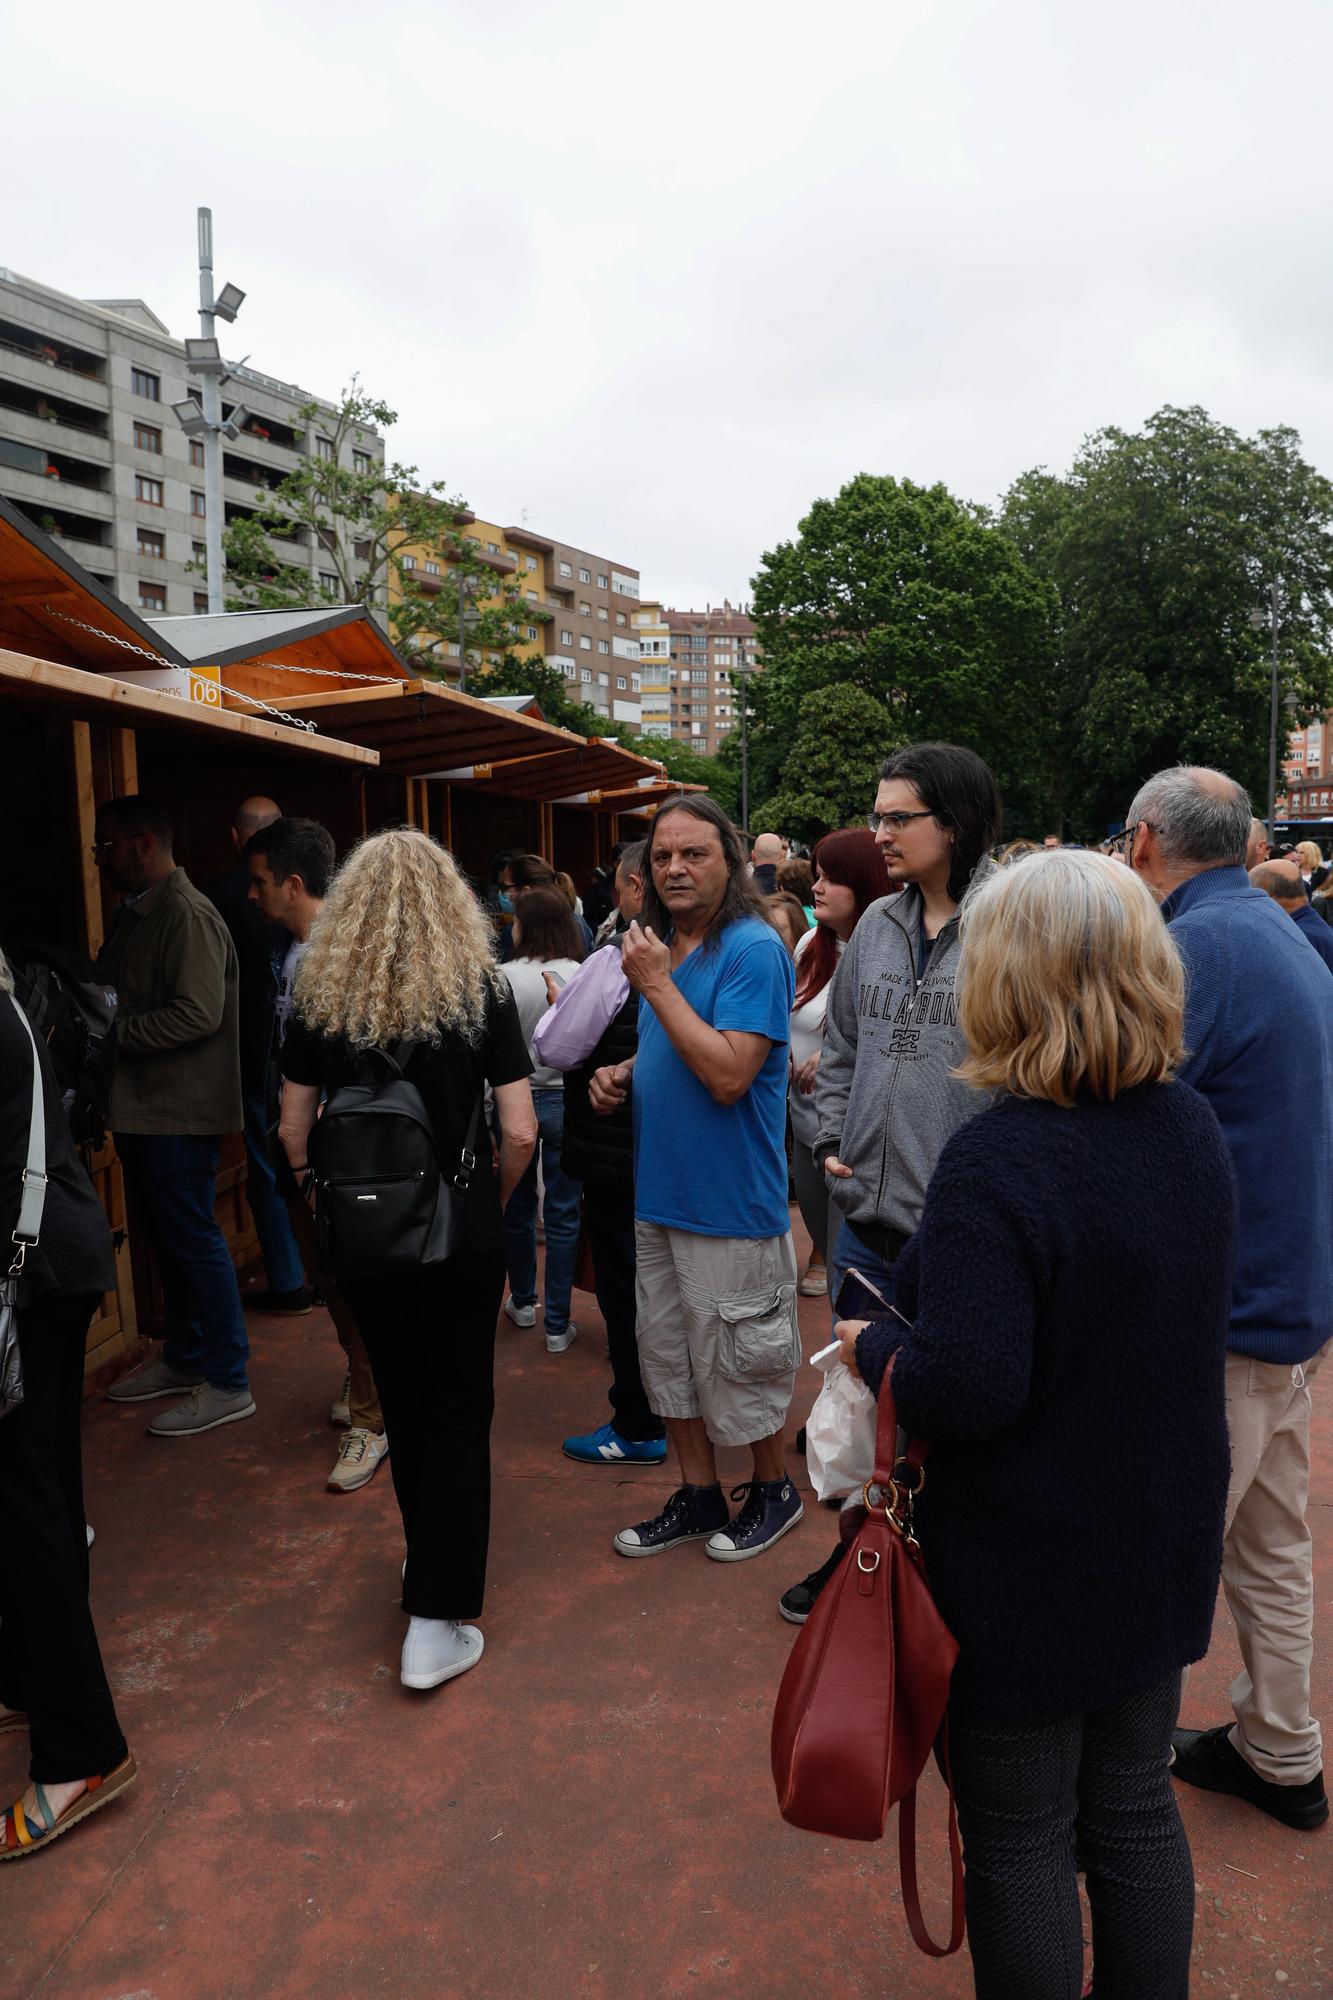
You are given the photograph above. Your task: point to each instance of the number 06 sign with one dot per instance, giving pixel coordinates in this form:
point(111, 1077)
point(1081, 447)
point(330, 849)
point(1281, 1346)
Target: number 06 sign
point(206, 686)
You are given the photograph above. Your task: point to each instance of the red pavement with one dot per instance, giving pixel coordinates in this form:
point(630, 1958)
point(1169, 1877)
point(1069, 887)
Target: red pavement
point(587, 1814)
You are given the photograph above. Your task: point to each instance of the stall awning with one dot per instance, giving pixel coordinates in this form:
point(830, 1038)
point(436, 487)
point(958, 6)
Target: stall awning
point(31, 683)
point(426, 730)
point(51, 609)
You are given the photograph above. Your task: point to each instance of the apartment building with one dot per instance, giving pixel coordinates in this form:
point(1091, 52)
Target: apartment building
point(91, 451)
point(431, 573)
point(1309, 769)
point(687, 660)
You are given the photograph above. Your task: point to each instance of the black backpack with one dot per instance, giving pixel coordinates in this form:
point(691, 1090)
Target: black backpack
point(383, 1207)
point(73, 1008)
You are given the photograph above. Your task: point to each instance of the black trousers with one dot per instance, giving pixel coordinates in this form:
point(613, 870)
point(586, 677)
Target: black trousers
point(1024, 1790)
point(50, 1664)
point(609, 1216)
point(431, 1342)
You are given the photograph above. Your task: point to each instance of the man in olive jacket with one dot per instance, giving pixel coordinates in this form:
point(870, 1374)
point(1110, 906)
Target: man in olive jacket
point(176, 1090)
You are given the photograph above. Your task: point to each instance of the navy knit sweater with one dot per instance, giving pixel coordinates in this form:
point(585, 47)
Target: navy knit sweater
point(1068, 1288)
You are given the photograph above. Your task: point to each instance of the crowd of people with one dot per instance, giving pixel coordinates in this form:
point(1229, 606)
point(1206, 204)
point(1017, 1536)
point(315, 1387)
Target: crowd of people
point(983, 1072)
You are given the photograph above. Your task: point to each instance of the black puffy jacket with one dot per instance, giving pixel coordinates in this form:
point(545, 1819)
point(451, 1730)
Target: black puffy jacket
point(597, 1149)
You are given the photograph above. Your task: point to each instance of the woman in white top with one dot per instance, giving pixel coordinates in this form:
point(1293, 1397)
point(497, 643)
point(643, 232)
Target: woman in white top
point(547, 944)
point(849, 877)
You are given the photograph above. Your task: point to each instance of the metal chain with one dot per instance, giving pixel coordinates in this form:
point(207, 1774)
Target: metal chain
point(173, 666)
point(275, 666)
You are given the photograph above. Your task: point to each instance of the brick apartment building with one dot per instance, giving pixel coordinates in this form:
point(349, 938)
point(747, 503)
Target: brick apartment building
point(686, 663)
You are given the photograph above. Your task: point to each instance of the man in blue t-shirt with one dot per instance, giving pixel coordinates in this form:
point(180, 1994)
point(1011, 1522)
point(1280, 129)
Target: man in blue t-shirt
point(716, 1287)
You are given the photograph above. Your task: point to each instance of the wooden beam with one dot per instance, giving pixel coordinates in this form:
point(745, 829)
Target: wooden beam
point(124, 762)
point(10, 592)
point(447, 816)
point(85, 807)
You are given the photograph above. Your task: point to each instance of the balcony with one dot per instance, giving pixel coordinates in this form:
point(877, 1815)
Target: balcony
point(48, 350)
point(44, 416)
point(55, 468)
point(268, 430)
point(246, 472)
point(79, 531)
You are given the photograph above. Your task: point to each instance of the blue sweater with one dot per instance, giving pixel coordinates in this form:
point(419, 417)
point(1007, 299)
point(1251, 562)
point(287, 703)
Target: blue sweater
point(1067, 1360)
point(1309, 922)
point(1259, 1045)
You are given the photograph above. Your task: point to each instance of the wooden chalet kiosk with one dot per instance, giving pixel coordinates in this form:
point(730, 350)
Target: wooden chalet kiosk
point(313, 708)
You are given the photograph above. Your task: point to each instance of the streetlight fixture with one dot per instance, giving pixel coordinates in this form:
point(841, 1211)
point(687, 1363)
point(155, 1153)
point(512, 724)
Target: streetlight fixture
point(1289, 702)
point(201, 416)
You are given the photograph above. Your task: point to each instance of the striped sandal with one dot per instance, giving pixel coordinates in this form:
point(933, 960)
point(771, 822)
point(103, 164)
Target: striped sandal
point(20, 1832)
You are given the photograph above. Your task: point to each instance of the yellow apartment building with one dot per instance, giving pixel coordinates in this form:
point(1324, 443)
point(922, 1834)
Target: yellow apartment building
point(516, 561)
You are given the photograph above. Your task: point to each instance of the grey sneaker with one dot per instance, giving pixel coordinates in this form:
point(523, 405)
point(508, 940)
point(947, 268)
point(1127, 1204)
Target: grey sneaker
point(556, 1343)
point(521, 1315)
point(203, 1410)
point(155, 1378)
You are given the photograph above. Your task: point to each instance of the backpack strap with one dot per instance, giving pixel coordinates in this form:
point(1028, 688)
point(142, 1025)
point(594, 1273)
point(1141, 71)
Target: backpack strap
point(28, 1227)
point(468, 1158)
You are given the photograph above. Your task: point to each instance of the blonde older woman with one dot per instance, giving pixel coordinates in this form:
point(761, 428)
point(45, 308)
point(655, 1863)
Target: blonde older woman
point(1069, 1288)
point(401, 952)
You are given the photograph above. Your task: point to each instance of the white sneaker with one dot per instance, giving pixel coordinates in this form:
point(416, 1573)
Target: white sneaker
point(359, 1456)
point(521, 1315)
point(91, 1532)
point(556, 1343)
point(340, 1412)
point(437, 1649)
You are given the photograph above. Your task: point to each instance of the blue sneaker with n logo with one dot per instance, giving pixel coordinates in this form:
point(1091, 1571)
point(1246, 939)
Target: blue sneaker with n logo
point(607, 1447)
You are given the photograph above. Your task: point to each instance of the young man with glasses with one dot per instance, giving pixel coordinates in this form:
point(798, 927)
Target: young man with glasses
point(886, 1097)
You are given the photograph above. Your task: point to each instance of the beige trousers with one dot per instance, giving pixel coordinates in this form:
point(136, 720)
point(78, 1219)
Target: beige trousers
point(1266, 1566)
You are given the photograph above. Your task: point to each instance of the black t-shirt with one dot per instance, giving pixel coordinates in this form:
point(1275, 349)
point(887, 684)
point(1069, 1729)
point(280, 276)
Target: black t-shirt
point(450, 1077)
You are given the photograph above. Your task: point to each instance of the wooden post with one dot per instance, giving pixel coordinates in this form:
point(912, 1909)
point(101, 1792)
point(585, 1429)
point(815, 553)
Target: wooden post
point(423, 805)
point(410, 795)
point(447, 816)
point(361, 791)
point(124, 762)
point(546, 822)
point(85, 804)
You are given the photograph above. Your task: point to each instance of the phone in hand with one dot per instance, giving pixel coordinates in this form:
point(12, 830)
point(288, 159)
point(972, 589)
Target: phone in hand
point(557, 979)
point(859, 1298)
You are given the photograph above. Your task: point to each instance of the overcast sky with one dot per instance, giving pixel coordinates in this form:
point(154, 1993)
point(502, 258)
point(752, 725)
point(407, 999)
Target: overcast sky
point(661, 276)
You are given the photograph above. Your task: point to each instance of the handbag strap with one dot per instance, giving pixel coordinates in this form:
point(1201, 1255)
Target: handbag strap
point(32, 1201)
point(468, 1157)
point(916, 1923)
point(886, 1437)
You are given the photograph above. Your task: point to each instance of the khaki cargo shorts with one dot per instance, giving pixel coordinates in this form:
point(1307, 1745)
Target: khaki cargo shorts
point(717, 1329)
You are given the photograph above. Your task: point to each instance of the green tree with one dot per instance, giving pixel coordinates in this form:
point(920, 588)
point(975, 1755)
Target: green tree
point(830, 777)
point(370, 527)
point(914, 599)
point(1162, 543)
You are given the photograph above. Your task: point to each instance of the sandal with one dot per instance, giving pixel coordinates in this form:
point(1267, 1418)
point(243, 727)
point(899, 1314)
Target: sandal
point(12, 1718)
point(20, 1834)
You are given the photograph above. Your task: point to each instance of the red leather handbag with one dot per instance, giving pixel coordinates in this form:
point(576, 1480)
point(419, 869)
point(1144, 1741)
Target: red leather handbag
point(865, 1691)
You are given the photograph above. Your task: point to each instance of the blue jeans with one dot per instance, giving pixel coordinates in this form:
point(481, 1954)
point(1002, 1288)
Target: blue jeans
point(848, 1251)
point(173, 1182)
point(560, 1209)
point(277, 1245)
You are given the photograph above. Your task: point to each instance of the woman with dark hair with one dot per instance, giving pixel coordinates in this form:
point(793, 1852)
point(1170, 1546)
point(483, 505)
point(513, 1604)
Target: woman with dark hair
point(547, 947)
point(789, 920)
point(522, 874)
point(796, 877)
point(848, 877)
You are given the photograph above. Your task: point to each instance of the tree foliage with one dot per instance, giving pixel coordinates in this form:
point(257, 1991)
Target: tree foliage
point(917, 602)
point(830, 777)
point(1161, 545)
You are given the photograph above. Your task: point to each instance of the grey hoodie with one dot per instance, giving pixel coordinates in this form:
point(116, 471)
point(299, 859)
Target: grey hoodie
point(885, 1100)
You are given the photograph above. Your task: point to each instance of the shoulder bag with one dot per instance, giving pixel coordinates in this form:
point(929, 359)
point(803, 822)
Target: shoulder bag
point(865, 1691)
point(26, 1232)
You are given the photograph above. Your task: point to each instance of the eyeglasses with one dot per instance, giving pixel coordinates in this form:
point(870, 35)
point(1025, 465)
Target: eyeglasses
point(895, 821)
point(103, 846)
point(1121, 843)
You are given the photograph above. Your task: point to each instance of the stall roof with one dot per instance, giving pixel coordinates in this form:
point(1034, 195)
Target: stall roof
point(52, 609)
point(426, 730)
point(340, 644)
point(32, 683)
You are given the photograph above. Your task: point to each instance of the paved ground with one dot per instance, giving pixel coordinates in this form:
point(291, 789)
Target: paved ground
point(589, 1814)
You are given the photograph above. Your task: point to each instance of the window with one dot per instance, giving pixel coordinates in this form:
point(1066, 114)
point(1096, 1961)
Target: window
point(603, 583)
point(329, 579)
point(698, 674)
point(622, 620)
point(200, 602)
point(361, 461)
point(604, 680)
point(603, 645)
point(585, 674)
point(432, 569)
point(585, 576)
point(532, 632)
point(199, 551)
point(621, 682)
point(532, 597)
point(151, 543)
point(409, 562)
point(565, 570)
point(532, 562)
point(152, 597)
point(144, 384)
point(603, 613)
point(566, 638)
point(585, 642)
point(147, 437)
point(493, 548)
point(148, 490)
point(324, 447)
point(198, 504)
point(635, 683)
point(196, 451)
point(585, 610)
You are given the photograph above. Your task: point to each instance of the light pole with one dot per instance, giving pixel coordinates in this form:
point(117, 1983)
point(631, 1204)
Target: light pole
point(203, 358)
point(743, 676)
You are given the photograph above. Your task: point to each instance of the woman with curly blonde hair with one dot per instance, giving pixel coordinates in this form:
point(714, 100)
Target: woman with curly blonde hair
point(401, 954)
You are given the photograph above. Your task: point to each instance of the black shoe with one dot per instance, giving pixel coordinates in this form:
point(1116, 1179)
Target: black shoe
point(800, 1440)
point(690, 1515)
point(266, 1301)
point(797, 1603)
point(1208, 1758)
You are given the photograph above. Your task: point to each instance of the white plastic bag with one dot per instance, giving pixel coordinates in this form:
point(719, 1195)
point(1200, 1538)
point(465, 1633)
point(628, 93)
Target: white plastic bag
point(840, 1429)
